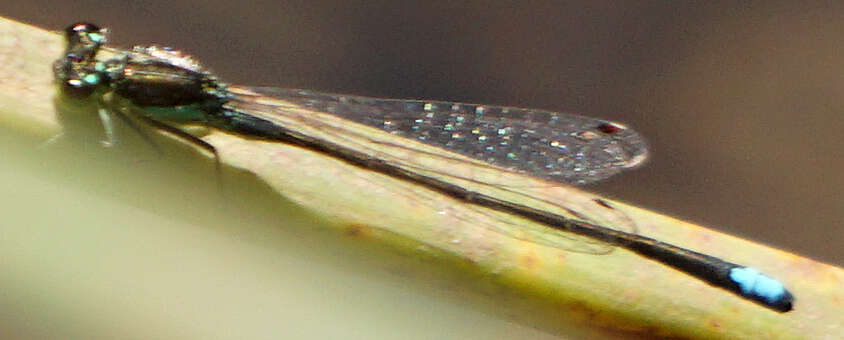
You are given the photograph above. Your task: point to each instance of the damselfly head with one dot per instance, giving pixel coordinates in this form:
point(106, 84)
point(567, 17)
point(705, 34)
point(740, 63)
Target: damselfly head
point(75, 70)
point(83, 41)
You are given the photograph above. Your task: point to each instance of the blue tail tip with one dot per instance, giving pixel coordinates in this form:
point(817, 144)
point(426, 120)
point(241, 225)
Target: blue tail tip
point(762, 289)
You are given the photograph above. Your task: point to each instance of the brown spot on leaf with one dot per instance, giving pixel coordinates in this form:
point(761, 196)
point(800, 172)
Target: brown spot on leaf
point(530, 261)
point(356, 230)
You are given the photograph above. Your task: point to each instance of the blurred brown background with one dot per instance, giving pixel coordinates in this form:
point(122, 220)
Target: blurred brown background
point(741, 103)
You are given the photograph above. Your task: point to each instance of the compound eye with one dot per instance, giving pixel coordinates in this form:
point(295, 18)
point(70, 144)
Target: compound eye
point(81, 28)
point(86, 33)
point(78, 88)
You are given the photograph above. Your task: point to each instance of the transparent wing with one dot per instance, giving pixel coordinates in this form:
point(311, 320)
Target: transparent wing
point(560, 147)
point(349, 121)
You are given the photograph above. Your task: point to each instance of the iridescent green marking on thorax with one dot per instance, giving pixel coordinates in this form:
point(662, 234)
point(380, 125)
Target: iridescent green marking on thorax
point(176, 114)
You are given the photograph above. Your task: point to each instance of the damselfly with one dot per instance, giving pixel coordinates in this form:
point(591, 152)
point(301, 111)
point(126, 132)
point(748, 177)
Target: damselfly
point(166, 86)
